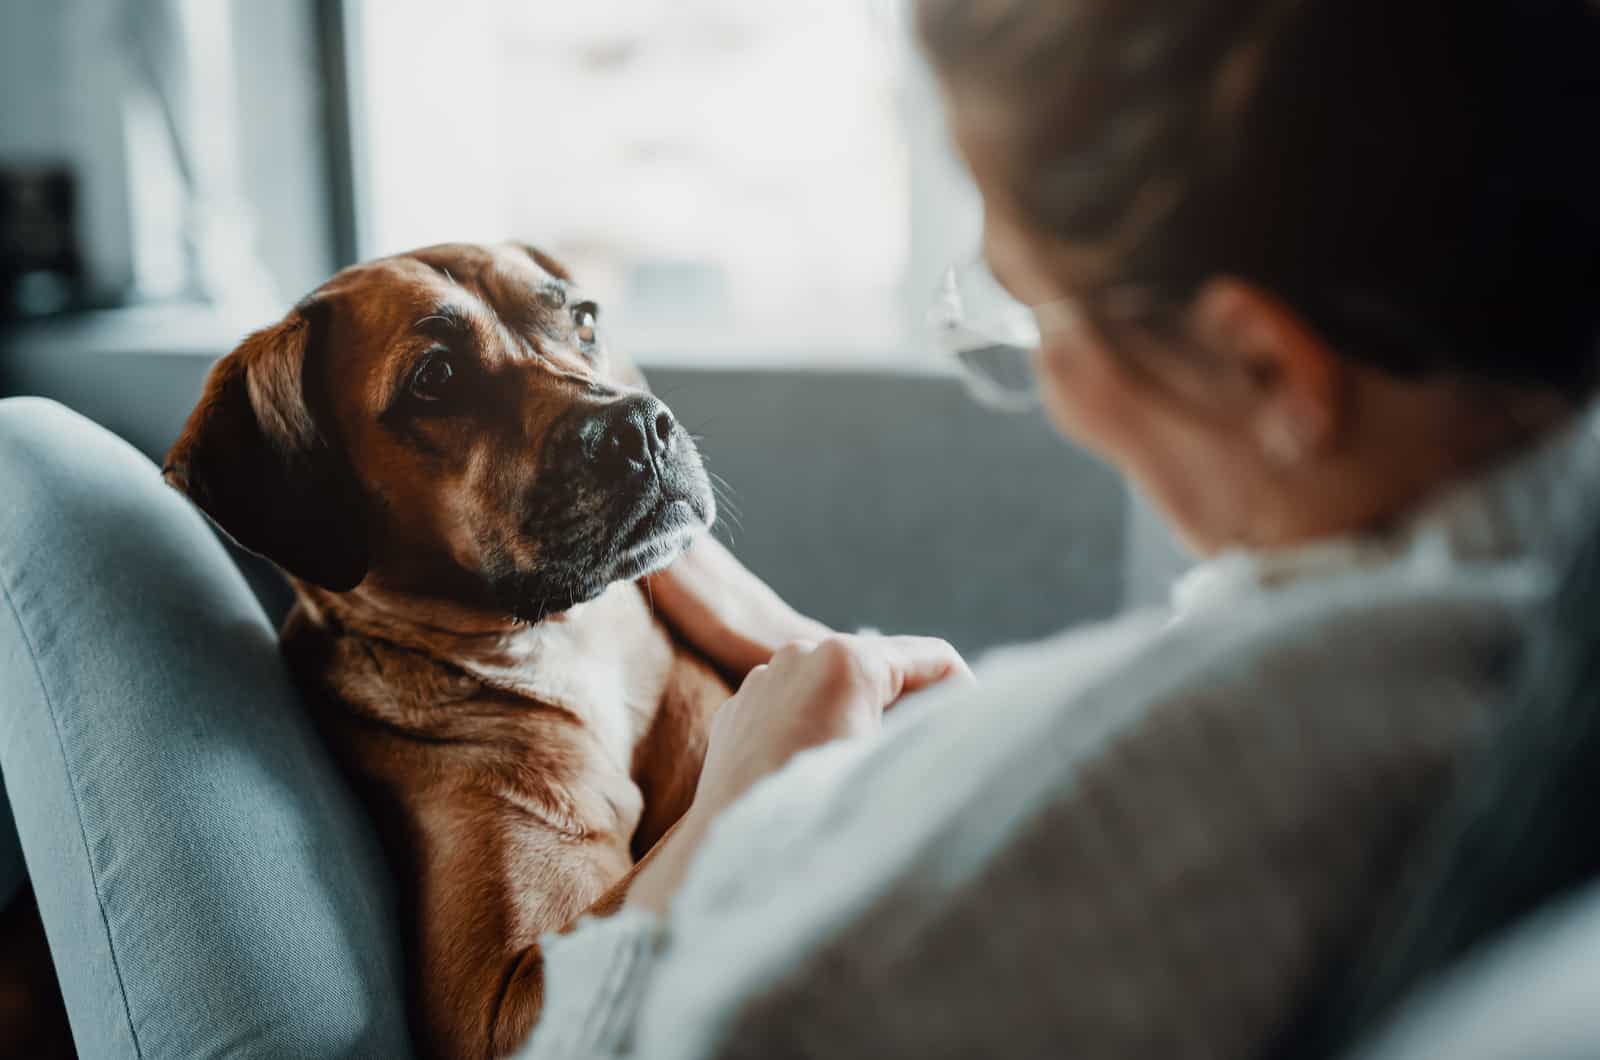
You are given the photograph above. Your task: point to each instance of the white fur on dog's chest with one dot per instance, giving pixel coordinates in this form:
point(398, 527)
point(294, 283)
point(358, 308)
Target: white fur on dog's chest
point(604, 661)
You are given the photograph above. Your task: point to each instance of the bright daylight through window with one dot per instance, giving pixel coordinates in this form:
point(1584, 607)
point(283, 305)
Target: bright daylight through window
point(733, 178)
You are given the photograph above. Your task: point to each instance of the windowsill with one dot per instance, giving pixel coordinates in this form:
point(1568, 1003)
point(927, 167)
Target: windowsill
point(188, 328)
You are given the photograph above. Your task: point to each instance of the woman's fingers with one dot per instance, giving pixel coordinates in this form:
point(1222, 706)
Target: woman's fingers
point(812, 693)
point(920, 662)
point(878, 669)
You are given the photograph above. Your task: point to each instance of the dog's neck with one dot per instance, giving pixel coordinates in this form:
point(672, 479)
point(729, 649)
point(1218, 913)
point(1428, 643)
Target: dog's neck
point(602, 655)
point(440, 628)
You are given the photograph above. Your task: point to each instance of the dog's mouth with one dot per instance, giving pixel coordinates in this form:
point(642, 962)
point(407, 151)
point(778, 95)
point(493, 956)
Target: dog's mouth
point(660, 533)
point(621, 540)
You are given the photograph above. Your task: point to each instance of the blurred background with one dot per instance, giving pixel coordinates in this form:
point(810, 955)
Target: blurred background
point(759, 192)
point(740, 180)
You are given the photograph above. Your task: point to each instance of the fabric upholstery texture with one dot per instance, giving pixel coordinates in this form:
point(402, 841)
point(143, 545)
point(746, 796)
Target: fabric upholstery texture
point(208, 885)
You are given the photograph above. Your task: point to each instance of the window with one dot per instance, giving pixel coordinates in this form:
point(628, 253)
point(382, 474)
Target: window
point(735, 179)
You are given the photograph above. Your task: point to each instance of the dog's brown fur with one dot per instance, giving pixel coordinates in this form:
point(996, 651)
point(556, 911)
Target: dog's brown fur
point(517, 771)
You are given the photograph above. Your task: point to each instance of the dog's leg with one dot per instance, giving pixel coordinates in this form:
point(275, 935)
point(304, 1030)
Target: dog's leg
point(521, 998)
point(666, 763)
point(667, 769)
point(493, 878)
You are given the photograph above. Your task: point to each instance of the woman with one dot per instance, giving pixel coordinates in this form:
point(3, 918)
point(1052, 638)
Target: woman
point(1320, 278)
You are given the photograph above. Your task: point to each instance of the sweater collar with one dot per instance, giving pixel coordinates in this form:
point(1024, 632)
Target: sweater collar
point(1526, 506)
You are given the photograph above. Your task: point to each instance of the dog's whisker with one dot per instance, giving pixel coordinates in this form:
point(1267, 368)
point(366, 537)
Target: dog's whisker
point(704, 426)
point(725, 502)
point(728, 514)
point(722, 488)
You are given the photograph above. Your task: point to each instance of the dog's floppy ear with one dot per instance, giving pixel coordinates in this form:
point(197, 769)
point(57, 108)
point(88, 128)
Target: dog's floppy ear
point(253, 458)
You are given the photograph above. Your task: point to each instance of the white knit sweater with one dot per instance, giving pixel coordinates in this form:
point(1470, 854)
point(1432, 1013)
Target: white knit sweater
point(1138, 839)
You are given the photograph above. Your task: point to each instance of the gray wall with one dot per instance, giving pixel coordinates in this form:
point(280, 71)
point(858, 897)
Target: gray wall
point(33, 56)
point(867, 498)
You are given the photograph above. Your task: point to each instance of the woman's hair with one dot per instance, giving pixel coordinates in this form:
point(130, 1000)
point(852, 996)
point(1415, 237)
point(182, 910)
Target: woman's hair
point(1419, 178)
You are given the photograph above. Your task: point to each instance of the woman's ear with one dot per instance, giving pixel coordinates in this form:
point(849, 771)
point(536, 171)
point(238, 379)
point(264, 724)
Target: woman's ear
point(253, 459)
point(1291, 380)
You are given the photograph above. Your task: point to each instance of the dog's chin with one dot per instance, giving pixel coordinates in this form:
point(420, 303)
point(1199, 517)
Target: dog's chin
point(658, 536)
point(646, 545)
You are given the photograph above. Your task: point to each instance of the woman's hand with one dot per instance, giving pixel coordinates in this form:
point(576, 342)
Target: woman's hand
point(811, 693)
point(724, 612)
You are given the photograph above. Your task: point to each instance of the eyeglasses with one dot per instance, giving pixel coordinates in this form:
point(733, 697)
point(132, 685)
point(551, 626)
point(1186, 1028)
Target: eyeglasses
point(992, 336)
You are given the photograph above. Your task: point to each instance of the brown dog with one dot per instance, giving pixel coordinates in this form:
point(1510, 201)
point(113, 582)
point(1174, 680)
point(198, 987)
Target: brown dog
point(463, 485)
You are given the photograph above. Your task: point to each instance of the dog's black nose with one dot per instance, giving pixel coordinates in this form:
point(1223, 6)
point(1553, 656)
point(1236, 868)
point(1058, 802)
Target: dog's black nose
point(633, 434)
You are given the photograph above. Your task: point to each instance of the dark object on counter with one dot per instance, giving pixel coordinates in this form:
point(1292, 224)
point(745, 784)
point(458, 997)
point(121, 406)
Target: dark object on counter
point(41, 270)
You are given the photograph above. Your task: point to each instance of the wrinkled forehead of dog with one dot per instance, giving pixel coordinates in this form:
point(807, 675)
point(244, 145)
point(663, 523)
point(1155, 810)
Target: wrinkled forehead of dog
point(500, 303)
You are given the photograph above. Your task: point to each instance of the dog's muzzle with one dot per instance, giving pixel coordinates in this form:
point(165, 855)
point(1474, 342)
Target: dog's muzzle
point(622, 492)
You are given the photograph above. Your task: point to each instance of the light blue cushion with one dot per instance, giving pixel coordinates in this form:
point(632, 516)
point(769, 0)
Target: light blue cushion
point(1529, 996)
point(207, 883)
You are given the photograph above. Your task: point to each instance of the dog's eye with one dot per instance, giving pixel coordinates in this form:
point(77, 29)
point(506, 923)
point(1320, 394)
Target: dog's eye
point(586, 322)
point(432, 378)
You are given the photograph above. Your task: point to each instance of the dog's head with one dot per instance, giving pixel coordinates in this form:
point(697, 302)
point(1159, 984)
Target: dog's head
point(450, 425)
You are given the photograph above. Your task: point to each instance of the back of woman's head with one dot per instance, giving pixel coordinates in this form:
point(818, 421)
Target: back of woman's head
point(1420, 179)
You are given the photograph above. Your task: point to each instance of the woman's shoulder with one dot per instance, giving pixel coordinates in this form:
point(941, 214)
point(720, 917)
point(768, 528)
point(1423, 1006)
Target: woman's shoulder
point(1381, 663)
point(1374, 626)
point(1354, 627)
